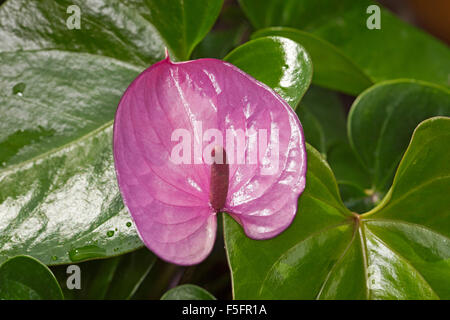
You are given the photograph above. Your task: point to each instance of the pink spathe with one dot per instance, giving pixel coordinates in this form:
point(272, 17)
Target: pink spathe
point(170, 202)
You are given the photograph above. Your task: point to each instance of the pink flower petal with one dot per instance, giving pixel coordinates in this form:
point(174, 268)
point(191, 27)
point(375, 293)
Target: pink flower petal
point(169, 202)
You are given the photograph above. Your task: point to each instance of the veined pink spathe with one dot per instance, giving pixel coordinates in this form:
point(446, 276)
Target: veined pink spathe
point(170, 203)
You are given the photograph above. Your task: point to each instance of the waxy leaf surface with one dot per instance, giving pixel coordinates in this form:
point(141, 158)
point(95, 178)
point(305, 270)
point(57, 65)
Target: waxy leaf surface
point(287, 66)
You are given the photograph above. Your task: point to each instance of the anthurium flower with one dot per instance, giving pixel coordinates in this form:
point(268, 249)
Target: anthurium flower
point(195, 138)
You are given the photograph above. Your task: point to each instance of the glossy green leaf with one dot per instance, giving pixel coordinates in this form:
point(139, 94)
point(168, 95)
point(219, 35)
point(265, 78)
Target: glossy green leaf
point(120, 32)
point(382, 120)
point(116, 278)
point(134, 31)
point(287, 66)
point(57, 185)
point(187, 292)
point(332, 68)
point(412, 223)
point(397, 50)
point(59, 89)
point(400, 250)
point(25, 278)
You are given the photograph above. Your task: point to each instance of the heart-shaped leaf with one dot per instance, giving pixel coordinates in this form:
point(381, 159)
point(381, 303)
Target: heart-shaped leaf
point(187, 292)
point(59, 89)
point(376, 133)
point(396, 50)
point(400, 250)
point(332, 68)
point(287, 66)
point(25, 278)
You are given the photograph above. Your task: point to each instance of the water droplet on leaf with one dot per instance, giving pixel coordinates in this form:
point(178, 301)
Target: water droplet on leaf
point(86, 252)
point(128, 224)
point(19, 88)
point(110, 233)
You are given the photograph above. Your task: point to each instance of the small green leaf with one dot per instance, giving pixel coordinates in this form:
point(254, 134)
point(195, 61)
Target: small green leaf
point(287, 67)
point(25, 278)
point(187, 292)
point(382, 120)
point(397, 50)
point(332, 68)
